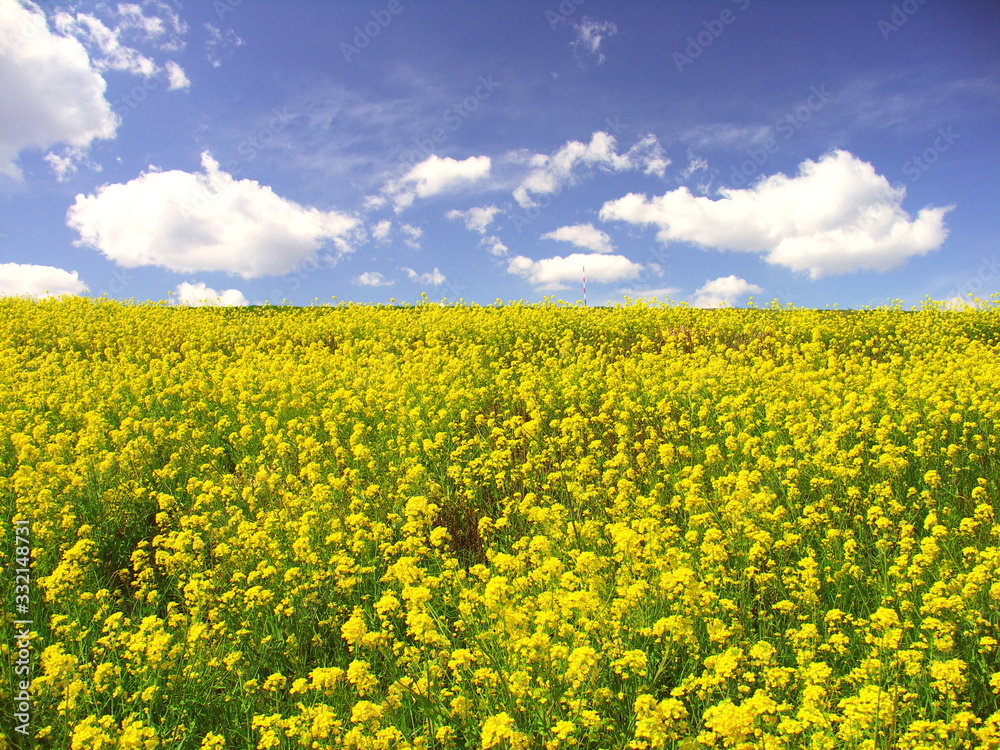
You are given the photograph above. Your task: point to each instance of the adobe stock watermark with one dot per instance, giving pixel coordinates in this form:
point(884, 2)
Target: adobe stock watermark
point(222, 7)
point(119, 282)
point(247, 150)
point(652, 272)
point(127, 103)
point(901, 13)
point(454, 288)
point(977, 282)
point(292, 281)
point(38, 22)
point(615, 126)
point(714, 28)
point(21, 652)
point(363, 35)
point(527, 215)
point(789, 296)
point(451, 120)
point(562, 13)
point(786, 127)
point(915, 167)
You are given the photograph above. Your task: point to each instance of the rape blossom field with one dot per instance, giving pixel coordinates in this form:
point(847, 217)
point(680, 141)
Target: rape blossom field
point(523, 526)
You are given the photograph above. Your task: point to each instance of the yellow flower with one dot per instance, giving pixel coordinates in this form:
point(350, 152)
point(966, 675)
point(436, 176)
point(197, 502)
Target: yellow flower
point(580, 665)
point(354, 629)
point(365, 711)
point(498, 728)
point(949, 676)
point(275, 682)
point(360, 675)
point(325, 678)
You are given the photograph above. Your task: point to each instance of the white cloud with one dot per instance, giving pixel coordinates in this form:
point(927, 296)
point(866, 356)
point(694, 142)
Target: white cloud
point(218, 43)
point(372, 278)
point(434, 278)
point(493, 245)
point(476, 219)
point(198, 294)
point(549, 173)
point(105, 41)
point(413, 235)
point(67, 161)
point(647, 154)
point(590, 34)
point(583, 235)
point(724, 291)
point(559, 273)
point(23, 279)
point(435, 175)
point(107, 50)
point(165, 29)
point(64, 164)
point(695, 164)
point(51, 93)
point(836, 216)
point(176, 77)
point(380, 232)
point(204, 222)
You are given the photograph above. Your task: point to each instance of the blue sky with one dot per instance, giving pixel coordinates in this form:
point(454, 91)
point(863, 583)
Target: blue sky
point(237, 151)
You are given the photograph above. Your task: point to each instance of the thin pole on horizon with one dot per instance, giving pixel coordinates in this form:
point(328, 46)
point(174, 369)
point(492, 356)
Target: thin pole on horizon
point(584, 286)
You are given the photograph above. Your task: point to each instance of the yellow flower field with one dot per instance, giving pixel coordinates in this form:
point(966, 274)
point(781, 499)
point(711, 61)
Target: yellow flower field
point(502, 527)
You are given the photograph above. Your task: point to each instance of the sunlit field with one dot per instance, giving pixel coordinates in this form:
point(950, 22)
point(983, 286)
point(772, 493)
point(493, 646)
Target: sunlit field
point(501, 527)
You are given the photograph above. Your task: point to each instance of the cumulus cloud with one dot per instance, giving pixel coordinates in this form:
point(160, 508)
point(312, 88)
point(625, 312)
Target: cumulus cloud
point(176, 77)
point(372, 278)
point(105, 44)
point(560, 273)
point(66, 162)
point(218, 44)
point(26, 280)
point(695, 164)
point(724, 291)
point(549, 173)
point(836, 216)
point(493, 245)
point(435, 175)
point(380, 232)
point(413, 235)
point(204, 222)
point(586, 236)
point(196, 295)
point(589, 35)
point(647, 154)
point(476, 219)
point(372, 202)
point(51, 92)
point(434, 278)
point(154, 22)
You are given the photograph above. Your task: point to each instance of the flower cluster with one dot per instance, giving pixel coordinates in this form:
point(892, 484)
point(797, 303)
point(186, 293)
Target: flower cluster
point(531, 526)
